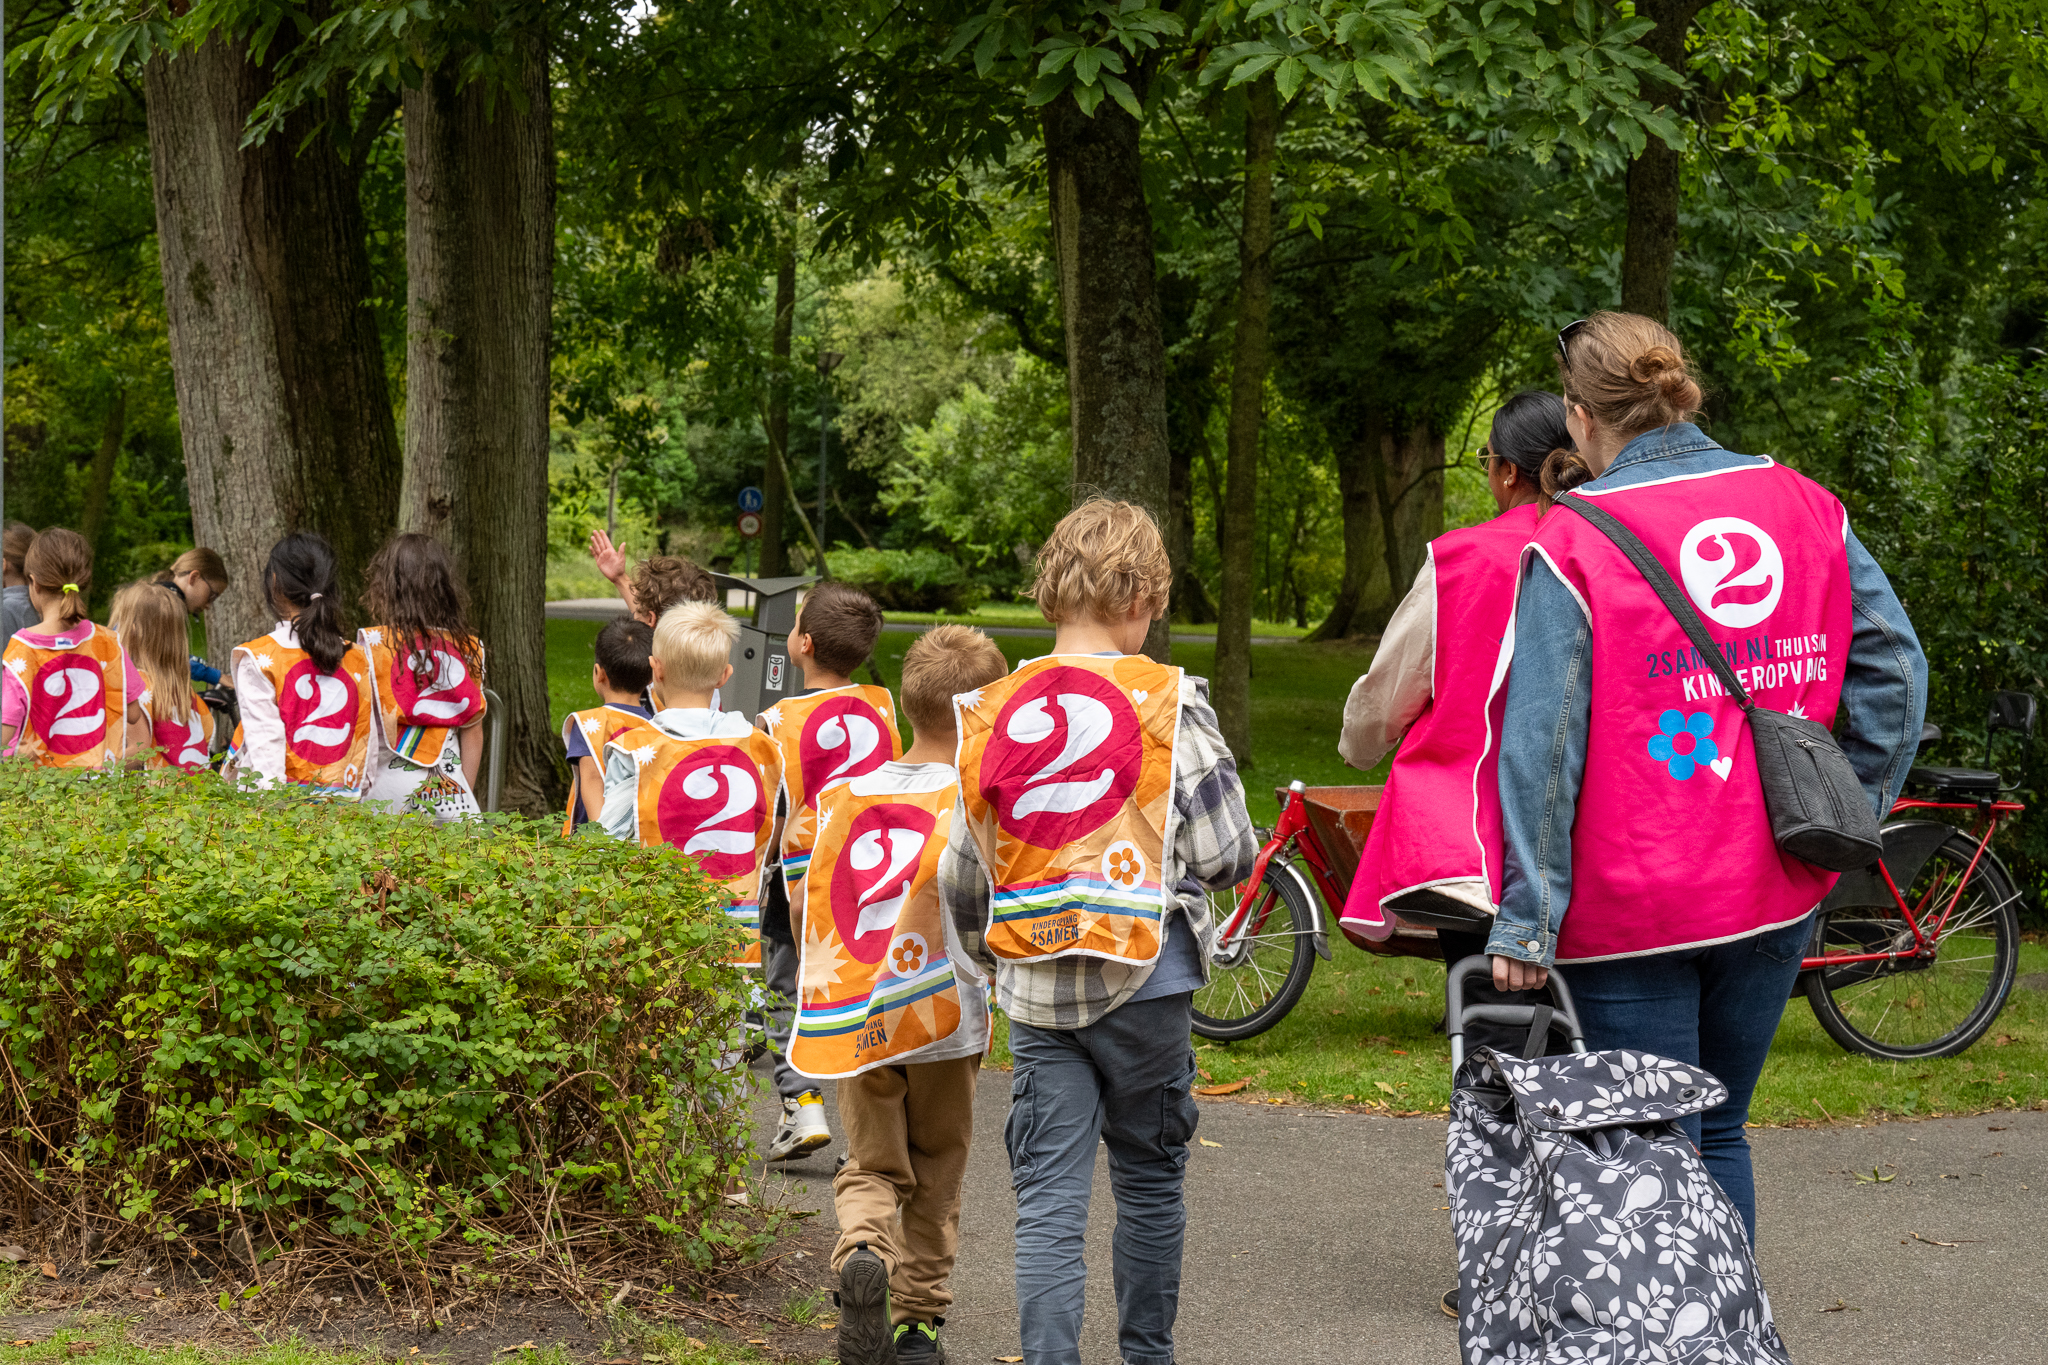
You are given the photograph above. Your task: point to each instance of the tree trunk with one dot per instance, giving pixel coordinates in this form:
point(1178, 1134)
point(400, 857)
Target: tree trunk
point(1651, 241)
point(101, 486)
point(283, 404)
point(1363, 602)
point(1410, 494)
point(480, 220)
point(1190, 395)
point(1116, 358)
point(1249, 357)
point(775, 491)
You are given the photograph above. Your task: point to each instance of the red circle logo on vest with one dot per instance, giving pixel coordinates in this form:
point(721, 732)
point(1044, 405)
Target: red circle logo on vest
point(452, 697)
point(1064, 757)
point(319, 712)
point(843, 737)
point(67, 704)
point(1732, 571)
point(877, 866)
point(184, 744)
point(711, 807)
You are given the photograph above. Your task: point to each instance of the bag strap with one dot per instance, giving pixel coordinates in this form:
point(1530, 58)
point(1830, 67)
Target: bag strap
point(1660, 582)
point(1538, 1041)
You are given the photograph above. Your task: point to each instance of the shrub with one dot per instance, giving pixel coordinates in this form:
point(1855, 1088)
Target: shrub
point(315, 1024)
point(909, 580)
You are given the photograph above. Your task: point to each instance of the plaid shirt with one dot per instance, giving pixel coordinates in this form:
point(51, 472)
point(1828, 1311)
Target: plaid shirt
point(1209, 843)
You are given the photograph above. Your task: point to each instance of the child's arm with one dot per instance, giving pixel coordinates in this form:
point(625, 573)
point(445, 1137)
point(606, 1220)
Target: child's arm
point(262, 752)
point(611, 562)
point(590, 786)
point(13, 710)
point(139, 738)
point(617, 816)
point(1214, 840)
point(470, 741)
point(964, 891)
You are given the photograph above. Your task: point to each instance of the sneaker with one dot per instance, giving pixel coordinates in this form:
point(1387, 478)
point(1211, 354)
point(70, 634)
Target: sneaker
point(864, 1337)
point(1449, 1303)
point(917, 1343)
point(802, 1130)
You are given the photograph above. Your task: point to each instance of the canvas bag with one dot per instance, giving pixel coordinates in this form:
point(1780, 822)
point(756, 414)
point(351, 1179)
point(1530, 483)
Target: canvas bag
point(1587, 1227)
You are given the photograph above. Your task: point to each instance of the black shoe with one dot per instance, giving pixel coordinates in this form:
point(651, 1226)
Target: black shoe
point(1449, 1303)
point(864, 1336)
point(917, 1343)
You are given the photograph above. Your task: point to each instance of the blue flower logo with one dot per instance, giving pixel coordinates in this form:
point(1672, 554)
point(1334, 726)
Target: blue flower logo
point(1684, 742)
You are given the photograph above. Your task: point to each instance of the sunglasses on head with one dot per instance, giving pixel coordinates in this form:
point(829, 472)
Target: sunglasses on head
point(1564, 339)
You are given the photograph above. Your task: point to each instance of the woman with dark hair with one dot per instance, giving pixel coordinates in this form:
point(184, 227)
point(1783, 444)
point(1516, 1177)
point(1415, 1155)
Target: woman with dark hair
point(1638, 848)
point(304, 688)
point(427, 672)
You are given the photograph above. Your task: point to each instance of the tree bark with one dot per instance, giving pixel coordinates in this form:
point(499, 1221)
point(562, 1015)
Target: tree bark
point(1363, 602)
point(1250, 354)
point(283, 404)
point(1190, 396)
point(1116, 357)
point(774, 478)
point(1650, 244)
point(1410, 494)
point(98, 491)
point(480, 219)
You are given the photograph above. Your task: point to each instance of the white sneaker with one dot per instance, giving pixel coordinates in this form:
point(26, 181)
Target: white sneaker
point(802, 1130)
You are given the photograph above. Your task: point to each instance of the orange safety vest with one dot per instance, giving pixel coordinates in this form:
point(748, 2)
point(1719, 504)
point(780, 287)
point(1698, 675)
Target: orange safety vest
point(600, 726)
point(418, 720)
point(1066, 770)
point(181, 744)
point(844, 732)
point(876, 985)
point(326, 715)
point(709, 798)
point(77, 698)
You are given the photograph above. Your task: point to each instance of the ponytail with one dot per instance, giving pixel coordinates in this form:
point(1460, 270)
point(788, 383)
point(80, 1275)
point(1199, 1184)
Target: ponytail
point(60, 561)
point(301, 573)
point(1563, 470)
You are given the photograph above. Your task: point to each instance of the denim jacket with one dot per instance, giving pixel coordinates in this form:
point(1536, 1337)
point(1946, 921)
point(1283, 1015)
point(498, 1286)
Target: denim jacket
point(1549, 704)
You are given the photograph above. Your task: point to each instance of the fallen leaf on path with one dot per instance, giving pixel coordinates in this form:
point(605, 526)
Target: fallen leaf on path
point(1227, 1088)
point(1384, 1086)
point(694, 1343)
point(1934, 1241)
point(13, 1253)
point(1841, 1307)
point(1009, 1360)
point(49, 1271)
point(1397, 1052)
point(30, 1341)
point(508, 1350)
point(1203, 1074)
point(1206, 1143)
point(1993, 1128)
point(1351, 1097)
point(757, 1341)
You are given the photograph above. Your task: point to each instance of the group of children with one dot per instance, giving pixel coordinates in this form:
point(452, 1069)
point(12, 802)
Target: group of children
point(390, 714)
point(1046, 843)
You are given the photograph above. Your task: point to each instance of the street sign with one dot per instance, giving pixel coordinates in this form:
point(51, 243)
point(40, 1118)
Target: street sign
point(750, 501)
point(750, 524)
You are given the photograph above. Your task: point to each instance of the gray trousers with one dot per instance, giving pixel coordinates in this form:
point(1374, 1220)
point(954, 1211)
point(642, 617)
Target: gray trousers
point(778, 1013)
point(1127, 1081)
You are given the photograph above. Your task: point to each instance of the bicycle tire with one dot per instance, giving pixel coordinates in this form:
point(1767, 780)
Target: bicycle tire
point(1254, 985)
point(1876, 1008)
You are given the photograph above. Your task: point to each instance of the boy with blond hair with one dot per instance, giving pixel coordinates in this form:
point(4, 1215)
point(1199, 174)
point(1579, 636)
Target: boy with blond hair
point(888, 1010)
point(699, 779)
point(1097, 804)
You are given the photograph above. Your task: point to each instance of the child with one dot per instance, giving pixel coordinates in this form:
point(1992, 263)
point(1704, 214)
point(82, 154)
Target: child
point(694, 777)
point(304, 688)
point(197, 577)
point(887, 1011)
point(69, 697)
point(1097, 800)
point(620, 677)
point(837, 729)
point(427, 681)
point(151, 624)
point(656, 585)
point(15, 611)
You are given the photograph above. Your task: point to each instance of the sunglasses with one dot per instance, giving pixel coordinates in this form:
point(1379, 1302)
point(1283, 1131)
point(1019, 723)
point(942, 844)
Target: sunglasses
point(1564, 356)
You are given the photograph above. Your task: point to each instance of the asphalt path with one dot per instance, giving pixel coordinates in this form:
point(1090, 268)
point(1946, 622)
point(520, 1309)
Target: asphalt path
point(1318, 1237)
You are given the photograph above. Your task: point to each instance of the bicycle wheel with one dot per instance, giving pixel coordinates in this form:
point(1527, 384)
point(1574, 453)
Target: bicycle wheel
point(1255, 981)
point(1923, 1006)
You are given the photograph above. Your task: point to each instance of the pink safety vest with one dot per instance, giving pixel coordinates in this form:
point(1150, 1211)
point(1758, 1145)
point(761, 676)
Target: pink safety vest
point(1439, 818)
point(1671, 847)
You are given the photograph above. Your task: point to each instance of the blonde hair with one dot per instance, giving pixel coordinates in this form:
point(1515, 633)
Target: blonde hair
point(1629, 372)
point(1103, 560)
point(942, 663)
point(60, 561)
point(150, 619)
point(694, 642)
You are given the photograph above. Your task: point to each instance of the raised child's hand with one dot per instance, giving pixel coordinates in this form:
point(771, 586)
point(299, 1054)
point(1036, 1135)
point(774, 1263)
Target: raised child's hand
point(611, 561)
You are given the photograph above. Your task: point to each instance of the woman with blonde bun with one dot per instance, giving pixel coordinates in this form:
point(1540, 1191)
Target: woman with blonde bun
point(1637, 847)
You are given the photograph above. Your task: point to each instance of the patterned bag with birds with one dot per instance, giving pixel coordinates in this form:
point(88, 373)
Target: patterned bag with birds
point(1587, 1227)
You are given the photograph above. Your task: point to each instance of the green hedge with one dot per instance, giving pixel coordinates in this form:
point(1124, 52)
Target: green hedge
point(909, 580)
point(318, 1024)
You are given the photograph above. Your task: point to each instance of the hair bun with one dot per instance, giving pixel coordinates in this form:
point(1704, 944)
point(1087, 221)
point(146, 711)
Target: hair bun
point(1654, 365)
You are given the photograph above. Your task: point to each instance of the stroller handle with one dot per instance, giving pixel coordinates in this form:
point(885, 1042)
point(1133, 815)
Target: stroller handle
point(1456, 1013)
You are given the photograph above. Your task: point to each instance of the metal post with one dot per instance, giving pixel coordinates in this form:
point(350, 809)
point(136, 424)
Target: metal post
point(828, 361)
point(494, 750)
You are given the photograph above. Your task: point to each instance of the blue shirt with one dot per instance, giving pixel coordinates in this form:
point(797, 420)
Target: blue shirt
point(1550, 698)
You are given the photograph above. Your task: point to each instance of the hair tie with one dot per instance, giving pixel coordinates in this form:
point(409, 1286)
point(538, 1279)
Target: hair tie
point(71, 587)
point(314, 598)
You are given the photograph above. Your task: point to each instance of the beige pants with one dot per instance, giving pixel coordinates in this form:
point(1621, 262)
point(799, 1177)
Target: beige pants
point(907, 1130)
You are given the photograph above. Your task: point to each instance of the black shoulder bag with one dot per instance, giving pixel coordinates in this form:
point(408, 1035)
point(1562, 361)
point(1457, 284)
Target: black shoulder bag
point(1816, 804)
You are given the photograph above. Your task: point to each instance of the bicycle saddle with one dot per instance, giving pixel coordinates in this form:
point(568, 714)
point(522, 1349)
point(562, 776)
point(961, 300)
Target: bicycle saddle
point(1963, 782)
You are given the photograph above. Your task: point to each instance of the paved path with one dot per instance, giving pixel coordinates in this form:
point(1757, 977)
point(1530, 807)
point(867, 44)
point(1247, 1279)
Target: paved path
point(605, 608)
point(1321, 1238)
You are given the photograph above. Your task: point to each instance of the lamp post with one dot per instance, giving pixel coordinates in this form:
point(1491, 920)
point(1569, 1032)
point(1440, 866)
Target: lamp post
point(828, 361)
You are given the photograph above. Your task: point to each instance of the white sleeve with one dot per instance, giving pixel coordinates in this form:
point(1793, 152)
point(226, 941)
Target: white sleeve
point(621, 793)
point(262, 751)
point(1397, 687)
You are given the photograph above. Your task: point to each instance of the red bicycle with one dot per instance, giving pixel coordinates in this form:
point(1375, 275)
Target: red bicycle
point(1913, 957)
